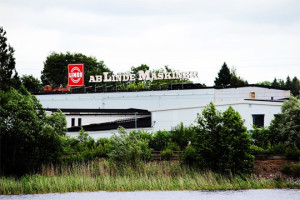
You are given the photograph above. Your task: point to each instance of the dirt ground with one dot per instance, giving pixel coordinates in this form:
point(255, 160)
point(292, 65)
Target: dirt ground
point(271, 169)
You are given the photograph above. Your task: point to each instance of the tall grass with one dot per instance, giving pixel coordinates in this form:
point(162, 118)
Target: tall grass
point(102, 175)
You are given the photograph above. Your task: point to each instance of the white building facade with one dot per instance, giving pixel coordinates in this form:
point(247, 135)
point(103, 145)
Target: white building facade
point(163, 109)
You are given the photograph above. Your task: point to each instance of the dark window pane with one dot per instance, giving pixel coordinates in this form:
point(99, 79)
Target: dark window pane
point(79, 121)
point(73, 122)
point(258, 120)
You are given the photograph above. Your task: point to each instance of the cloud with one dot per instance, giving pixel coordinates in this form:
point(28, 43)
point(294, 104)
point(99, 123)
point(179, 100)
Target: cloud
point(261, 39)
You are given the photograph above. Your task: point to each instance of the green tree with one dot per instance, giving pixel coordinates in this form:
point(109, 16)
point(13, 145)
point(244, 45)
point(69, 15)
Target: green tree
point(8, 75)
point(295, 86)
point(288, 83)
point(222, 142)
point(27, 139)
point(55, 70)
point(275, 83)
point(224, 76)
point(31, 83)
point(286, 126)
point(235, 80)
point(265, 83)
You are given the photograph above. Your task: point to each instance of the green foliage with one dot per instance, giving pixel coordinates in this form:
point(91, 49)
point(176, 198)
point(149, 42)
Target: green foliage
point(58, 121)
point(235, 80)
point(8, 75)
point(286, 126)
point(190, 155)
point(128, 148)
point(292, 170)
point(31, 83)
point(182, 135)
point(262, 137)
point(292, 153)
point(56, 68)
point(167, 153)
point(286, 169)
point(222, 142)
point(29, 138)
point(224, 76)
point(160, 140)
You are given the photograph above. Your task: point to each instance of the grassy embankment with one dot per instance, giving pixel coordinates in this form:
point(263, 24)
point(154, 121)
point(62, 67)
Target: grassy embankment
point(96, 176)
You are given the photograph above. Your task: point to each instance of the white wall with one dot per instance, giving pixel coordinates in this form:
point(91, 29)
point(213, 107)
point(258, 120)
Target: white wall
point(156, 99)
point(124, 100)
point(170, 117)
point(237, 94)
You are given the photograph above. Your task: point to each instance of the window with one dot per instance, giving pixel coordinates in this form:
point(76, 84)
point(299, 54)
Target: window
point(258, 120)
point(79, 121)
point(73, 122)
point(252, 95)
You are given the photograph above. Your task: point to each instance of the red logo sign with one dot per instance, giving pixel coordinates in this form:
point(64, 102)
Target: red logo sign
point(76, 75)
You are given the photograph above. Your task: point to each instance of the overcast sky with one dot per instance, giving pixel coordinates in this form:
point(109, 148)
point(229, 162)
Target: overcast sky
point(260, 38)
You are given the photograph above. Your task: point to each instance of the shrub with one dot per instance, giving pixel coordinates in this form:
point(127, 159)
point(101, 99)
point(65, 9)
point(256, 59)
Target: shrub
point(190, 155)
point(160, 140)
point(167, 153)
point(222, 142)
point(292, 153)
point(128, 148)
point(286, 169)
point(181, 135)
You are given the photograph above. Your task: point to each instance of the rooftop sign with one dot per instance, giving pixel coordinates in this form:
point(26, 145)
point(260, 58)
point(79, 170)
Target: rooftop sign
point(75, 75)
point(142, 76)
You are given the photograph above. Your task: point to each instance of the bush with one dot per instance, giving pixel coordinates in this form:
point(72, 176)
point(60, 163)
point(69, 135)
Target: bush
point(190, 155)
point(222, 142)
point(167, 153)
point(286, 169)
point(293, 170)
point(160, 140)
point(129, 148)
point(292, 153)
point(181, 135)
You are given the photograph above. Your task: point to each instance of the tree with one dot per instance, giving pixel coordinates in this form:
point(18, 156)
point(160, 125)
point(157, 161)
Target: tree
point(235, 80)
point(27, 139)
point(31, 83)
point(295, 86)
point(55, 70)
point(224, 76)
point(288, 83)
point(286, 126)
point(8, 74)
point(221, 142)
point(275, 83)
point(265, 83)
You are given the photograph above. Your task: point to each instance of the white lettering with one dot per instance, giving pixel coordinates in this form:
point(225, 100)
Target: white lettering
point(106, 79)
point(92, 79)
point(144, 75)
point(132, 77)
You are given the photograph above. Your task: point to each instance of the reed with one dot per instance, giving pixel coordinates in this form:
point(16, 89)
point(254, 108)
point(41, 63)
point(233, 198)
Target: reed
point(105, 176)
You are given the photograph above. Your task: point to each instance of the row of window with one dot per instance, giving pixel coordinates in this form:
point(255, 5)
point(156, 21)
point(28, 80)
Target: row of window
point(258, 121)
point(73, 122)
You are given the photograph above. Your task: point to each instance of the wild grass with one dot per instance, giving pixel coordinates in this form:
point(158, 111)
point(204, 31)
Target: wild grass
point(105, 176)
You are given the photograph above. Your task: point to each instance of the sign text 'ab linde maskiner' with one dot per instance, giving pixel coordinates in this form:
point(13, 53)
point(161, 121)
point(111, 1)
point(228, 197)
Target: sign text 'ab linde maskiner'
point(143, 76)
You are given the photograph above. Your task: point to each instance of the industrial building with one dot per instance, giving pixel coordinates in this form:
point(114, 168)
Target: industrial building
point(101, 113)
